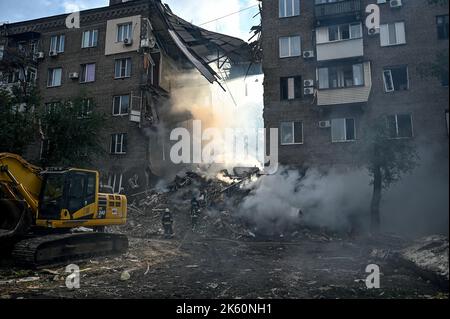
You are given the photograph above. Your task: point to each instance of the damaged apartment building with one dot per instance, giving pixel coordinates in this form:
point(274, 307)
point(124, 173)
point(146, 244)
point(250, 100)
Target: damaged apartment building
point(328, 77)
point(127, 58)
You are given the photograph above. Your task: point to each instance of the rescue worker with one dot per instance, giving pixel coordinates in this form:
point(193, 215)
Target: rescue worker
point(195, 211)
point(167, 222)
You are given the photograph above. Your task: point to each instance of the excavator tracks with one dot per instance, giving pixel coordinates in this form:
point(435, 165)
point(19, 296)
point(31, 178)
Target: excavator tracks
point(51, 250)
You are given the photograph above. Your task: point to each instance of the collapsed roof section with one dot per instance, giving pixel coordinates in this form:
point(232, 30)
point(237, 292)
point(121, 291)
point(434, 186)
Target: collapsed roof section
point(208, 51)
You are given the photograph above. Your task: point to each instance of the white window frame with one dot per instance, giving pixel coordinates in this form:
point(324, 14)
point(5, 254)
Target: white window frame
point(285, 15)
point(118, 141)
point(92, 39)
point(351, 36)
point(112, 179)
point(396, 126)
point(293, 133)
point(57, 43)
point(128, 66)
point(290, 54)
point(120, 104)
point(400, 34)
point(84, 71)
point(86, 108)
point(389, 71)
point(327, 72)
point(346, 140)
point(52, 77)
point(124, 31)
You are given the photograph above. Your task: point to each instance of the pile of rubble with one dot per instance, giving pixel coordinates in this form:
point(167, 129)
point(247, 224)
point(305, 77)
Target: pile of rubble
point(218, 197)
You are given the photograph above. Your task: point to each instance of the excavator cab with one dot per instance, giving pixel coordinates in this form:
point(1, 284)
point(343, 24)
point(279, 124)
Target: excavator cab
point(66, 192)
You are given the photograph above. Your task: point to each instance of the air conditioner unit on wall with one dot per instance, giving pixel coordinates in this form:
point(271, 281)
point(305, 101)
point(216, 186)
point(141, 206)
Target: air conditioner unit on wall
point(374, 31)
point(128, 42)
point(308, 83)
point(325, 124)
point(308, 91)
point(74, 75)
point(39, 55)
point(308, 54)
point(53, 53)
point(148, 43)
point(395, 3)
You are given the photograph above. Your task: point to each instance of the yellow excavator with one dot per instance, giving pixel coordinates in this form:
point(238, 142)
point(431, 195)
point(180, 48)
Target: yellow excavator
point(40, 208)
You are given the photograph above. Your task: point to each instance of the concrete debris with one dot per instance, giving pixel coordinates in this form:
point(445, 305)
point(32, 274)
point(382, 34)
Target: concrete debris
point(125, 276)
point(429, 256)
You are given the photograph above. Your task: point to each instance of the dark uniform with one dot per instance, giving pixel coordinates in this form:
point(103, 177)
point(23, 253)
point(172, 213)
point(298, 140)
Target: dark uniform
point(195, 211)
point(167, 222)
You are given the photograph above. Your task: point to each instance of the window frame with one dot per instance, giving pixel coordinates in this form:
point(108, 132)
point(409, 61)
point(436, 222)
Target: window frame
point(52, 77)
point(84, 72)
point(92, 39)
point(389, 70)
point(128, 67)
point(292, 122)
point(444, 25)
point(120, 36)
point(289, 46)
point(347, 140)
point(388, 44)
point(120, 105)
point(280, 16)
point(114, 149)
point(397, 137)
point(59, 44)
point(341, 68)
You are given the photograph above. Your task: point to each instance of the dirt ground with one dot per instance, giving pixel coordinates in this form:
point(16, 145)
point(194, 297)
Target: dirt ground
point(196, 266)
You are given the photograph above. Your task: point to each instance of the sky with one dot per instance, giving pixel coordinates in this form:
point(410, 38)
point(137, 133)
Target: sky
point(195, 11)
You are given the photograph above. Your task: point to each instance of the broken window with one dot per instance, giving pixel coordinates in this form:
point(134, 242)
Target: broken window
point(87, 73)
point(400, 126)
point(442, 27)
point(115, 183)
point(289, 8)
point(86, 107)
point(343, 130)
point(90, 39)
point(57, 43)
point(291, 133)
point(119, 143)
point(291, 88)
point(54, 77)
point(121, 105)
point(122, 68)
point(341, 76)
point(392, 34)
point(396, 78)
point(290, 46)
point(124, 32)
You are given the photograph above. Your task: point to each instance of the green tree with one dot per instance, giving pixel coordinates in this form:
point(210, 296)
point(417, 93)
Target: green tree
point(388, 160)
point(70, 132)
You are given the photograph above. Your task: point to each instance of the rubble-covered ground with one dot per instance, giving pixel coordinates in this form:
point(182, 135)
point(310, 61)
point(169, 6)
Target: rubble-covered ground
point(225, 257)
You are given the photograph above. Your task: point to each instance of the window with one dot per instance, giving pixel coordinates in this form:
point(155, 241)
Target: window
point(90, 39)
point(87, 73)
point(289, 8)
point(291, 88)
point(343, 130)
point(115, 182)
point(57, 43)
point(124, 32)
point(31, 75)
point(442, 27)
point(34, 47)
point(86, 107)
point(121, 105)
point(291, 133)
point(341, 76)
point(119, 143)
point(122, 68)
point(52, 106)
point(392, 34)
point(339, 32)
point(290, 46)
point(395, 79)
point(54, 77)
point(400, 126)
point(2, 51)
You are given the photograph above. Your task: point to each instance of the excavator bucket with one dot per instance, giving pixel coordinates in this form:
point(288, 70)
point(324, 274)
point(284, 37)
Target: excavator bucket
point(15, 218)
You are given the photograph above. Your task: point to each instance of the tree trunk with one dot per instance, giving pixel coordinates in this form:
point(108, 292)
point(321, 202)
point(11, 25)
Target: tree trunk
point(376, 199)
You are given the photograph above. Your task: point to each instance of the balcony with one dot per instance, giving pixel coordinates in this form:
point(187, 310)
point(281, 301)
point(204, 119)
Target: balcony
point(341, 9)
point(348, 95)
point(340, 49)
